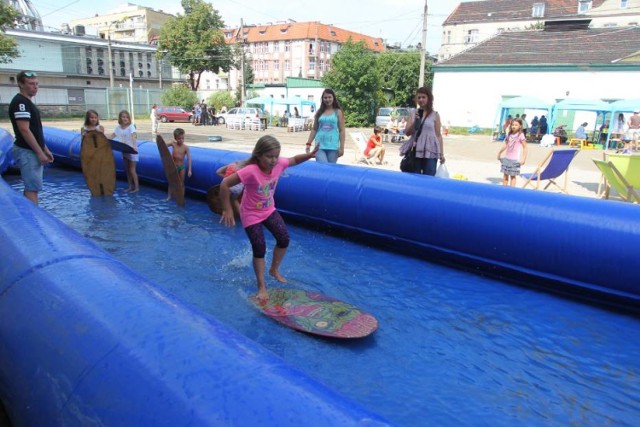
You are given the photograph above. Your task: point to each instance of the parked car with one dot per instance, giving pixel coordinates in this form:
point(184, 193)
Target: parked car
point(384, 115)
point(173, 114)
point(246, 112)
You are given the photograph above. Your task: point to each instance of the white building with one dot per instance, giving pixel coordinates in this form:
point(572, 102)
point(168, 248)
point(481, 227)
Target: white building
point(562, 61)
point(473, 22)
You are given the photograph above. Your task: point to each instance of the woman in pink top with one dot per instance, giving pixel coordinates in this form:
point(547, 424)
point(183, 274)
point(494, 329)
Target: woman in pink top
point(515, 149)
point(260, 177)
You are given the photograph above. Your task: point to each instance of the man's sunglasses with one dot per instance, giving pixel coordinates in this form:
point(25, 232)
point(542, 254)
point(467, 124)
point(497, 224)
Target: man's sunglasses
point(29, 74)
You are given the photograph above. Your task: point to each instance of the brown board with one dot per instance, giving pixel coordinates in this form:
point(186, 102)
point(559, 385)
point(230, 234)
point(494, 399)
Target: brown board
point(122, 147)
point(213, 199)
point(176, 188)
point(98, 166)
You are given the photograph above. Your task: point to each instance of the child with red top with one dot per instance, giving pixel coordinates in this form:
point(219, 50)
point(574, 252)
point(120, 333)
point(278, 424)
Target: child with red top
point(515, 149)
point(374, 146)
point(260, 177)
point(236, 190)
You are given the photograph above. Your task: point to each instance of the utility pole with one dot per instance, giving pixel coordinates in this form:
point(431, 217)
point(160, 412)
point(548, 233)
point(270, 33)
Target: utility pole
point(242, 83)
point(423, 48)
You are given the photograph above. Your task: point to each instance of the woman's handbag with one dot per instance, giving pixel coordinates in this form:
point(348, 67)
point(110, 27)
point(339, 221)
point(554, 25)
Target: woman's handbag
point(408, 162)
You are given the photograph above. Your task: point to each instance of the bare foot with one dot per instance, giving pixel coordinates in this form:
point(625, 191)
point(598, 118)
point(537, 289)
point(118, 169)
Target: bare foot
point(262, 296)
point(128, 190)
point(135, 190)
point(167, 199)
point(276, 275)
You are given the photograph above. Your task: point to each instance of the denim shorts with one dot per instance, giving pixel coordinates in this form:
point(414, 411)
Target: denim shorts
point(30, 168)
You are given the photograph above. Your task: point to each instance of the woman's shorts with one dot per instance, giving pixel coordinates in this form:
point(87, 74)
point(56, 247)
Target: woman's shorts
point(510, 167)
point(30, 168)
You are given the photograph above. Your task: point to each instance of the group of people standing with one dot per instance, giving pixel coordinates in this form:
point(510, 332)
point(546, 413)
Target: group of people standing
point(205, 115)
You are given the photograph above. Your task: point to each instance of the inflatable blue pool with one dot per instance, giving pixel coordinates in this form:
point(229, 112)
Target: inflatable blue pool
point(518, 234)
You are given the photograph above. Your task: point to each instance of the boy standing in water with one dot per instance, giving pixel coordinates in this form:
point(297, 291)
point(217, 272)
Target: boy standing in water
point(179, 151)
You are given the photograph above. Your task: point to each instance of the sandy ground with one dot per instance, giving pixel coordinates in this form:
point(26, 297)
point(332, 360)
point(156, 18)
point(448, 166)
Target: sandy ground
point(469, 155)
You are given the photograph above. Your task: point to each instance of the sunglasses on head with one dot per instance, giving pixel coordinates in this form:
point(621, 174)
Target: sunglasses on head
point(29, 74)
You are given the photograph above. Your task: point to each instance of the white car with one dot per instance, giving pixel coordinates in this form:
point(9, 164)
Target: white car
point(246, 112)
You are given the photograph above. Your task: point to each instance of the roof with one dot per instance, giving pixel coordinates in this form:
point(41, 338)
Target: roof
point(513, 10)
point(578, 47)
point(303, 31)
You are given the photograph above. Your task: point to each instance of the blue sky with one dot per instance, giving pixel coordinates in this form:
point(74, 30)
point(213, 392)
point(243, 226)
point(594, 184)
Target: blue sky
point(397, 21)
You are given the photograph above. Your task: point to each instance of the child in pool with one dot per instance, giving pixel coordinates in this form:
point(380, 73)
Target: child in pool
point(260, 177)
point(126, 132)
point(179, 152)
point(515, 149)
point(91, 122)
point(236, 190)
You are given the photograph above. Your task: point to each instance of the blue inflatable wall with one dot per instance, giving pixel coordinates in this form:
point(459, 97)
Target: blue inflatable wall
point(76, 324)
point(6, 142)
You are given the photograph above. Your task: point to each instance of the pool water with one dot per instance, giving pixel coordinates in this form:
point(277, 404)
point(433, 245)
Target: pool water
point(452, 347)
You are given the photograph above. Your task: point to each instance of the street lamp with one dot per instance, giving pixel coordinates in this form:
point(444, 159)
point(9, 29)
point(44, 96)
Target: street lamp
point(119, 21)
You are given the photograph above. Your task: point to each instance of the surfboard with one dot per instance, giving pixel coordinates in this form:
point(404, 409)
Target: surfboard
point(213, 199)
point(122, 147)
point(98, 166)
point(173, 178)
point(317, 314)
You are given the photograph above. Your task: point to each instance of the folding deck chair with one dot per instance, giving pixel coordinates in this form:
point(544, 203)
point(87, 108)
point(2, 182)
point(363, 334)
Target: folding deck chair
point(555, 164)
point(615, 179)
point(360, 143)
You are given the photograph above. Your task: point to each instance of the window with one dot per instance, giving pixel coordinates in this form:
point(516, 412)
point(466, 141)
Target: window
point(276, 65)
point(312, 65)
point(472, 36)
point(448, 37)
point(287, 46)
point(623, 4)
point(538, 10)
point(276, 47)
point(287, 65)
point(584, 6)
point(321, 65)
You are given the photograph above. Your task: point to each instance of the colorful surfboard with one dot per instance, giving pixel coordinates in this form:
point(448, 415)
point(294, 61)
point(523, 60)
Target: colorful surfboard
point(173, 178)
point(317, 314)
point(98, 166)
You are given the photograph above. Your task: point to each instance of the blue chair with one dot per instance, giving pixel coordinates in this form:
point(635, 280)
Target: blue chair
point(555, 164)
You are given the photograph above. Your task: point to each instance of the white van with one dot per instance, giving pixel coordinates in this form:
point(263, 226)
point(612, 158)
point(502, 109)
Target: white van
point(384, 114)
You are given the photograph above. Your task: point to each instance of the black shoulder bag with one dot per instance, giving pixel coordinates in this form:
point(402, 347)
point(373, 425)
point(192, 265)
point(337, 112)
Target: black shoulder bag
point(408, 162)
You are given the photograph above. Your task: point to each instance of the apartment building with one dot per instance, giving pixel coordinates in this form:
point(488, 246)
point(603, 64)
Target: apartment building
point(474, 22)
point(127, 23)
point(292, 49)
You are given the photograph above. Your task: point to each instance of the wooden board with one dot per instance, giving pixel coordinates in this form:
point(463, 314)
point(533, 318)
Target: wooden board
point(176, 188)
point(122, 147)
point(213, 199)
point(98, 166)
point(317, 314)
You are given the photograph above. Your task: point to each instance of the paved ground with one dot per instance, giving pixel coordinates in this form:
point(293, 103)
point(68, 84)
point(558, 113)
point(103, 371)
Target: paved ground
point(472, 156)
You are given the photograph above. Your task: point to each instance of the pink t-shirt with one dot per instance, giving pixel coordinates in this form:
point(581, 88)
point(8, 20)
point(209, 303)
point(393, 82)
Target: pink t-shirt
point(257, 201)
point(514, 146)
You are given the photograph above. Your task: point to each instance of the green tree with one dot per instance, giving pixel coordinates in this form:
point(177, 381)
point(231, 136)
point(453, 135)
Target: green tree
point(8, 46)
point(194, 42)
point(355, 79)
point(180, 95)
point(399, 74)
point(218, 99)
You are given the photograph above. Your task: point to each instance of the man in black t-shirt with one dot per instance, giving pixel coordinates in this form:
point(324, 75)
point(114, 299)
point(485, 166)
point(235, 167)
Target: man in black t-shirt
point(29, 150)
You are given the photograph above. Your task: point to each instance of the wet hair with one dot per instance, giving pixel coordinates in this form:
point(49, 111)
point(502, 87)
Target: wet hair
point(426, 91)
point(88, 114)
point(178, 132)
point(121, 113)
point(264, 145)
point(321, 110)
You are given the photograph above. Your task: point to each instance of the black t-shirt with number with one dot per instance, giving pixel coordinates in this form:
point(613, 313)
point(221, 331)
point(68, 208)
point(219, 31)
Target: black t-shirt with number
point(21, 108)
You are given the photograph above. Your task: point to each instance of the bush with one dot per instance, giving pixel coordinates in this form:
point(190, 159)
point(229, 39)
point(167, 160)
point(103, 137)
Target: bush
point(221, 98)
point(180, 96)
